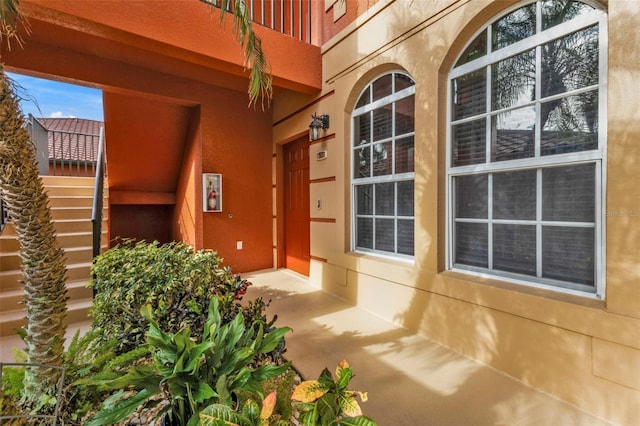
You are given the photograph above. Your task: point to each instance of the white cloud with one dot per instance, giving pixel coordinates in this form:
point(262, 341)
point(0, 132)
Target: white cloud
point(59, 114)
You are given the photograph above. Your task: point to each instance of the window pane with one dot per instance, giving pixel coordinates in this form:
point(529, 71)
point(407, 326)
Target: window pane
point(514, 27)
point(514, 195)
point(469, 143)
point(385, 199)
point(469, 94)
point(568, 254)
point(404, 155)
point(555, 12)
point(405, 236)
point(385, 235)
point(382, 123)
point(364, 98)
point(382, 87)
point(405, 111)
point(362, 162)
point(364, 232)
point(471, 244)
point(405, 198)
point(471, 196)
point(364, 196)
point(403, 81)
point(568, 193)
point(382, 159)
point(570, 63)
point(513, 80)
point(476, 49)
point(362, 129)
point(514, 248)
point(570, 124)
point(513, 134)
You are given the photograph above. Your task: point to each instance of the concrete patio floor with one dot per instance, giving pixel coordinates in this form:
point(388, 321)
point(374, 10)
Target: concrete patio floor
point(410, 380)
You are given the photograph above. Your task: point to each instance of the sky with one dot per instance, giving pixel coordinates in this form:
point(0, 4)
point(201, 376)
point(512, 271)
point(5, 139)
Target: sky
point(58, 100)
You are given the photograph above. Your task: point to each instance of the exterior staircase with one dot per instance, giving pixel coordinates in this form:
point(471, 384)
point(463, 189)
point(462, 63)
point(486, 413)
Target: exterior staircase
point(70, 200)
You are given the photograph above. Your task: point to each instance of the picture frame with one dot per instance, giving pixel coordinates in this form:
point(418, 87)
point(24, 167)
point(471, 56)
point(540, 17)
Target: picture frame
point(212, 192)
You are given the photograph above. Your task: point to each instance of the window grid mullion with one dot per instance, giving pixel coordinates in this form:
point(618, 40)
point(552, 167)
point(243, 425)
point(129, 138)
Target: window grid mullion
point(539, 223)
point(490, 221)
point(538, 106)
point(371, 142)
point(395, 217)
point(488, 119)
point(373, 224)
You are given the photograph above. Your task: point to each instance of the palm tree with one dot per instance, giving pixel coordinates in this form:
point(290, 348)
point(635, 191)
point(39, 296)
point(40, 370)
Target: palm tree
point(43, 265)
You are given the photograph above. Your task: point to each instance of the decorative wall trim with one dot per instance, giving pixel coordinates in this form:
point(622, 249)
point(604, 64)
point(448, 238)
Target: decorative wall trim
point(322, 180)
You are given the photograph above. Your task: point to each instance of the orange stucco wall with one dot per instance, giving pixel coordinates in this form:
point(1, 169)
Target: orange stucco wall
point(237, 144)
point(175, 100)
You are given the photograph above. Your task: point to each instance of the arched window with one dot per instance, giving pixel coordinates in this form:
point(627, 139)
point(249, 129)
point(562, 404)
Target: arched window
point(526, 143)
point(382, 166)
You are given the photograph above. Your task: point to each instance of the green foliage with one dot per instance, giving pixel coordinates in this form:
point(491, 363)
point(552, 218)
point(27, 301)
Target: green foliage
point(250, 415)
point(327, 401)
point(176, 281)
point(88, 357)
point(193, 372)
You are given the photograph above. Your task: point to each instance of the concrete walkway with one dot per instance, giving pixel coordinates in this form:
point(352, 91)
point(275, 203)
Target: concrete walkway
point(410, 380)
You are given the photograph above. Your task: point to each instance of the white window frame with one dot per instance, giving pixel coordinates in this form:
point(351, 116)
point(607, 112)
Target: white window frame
point(597, 157)
point(393, 177)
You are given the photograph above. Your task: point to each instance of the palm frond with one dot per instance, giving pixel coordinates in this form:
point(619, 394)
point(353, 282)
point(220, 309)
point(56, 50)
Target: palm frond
point(10, 22)
point(260, 79)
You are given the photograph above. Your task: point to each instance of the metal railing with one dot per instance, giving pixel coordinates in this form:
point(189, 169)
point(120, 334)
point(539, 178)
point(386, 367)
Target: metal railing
point(290, 17)
point(53, 418)
point(72, 154)
point(98, 194)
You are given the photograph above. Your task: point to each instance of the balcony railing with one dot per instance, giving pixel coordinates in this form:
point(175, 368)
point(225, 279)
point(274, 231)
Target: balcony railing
point(290, 17)
point(62, 150)
point(72, 154)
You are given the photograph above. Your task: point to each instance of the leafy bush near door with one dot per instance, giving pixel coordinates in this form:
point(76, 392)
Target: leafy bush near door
point(191, 372)
point(173, 279)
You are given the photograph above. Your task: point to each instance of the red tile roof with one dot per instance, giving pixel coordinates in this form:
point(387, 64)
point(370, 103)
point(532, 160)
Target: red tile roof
point(74, 139)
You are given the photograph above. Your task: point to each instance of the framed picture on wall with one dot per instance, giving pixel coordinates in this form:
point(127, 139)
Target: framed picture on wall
point(212, 192)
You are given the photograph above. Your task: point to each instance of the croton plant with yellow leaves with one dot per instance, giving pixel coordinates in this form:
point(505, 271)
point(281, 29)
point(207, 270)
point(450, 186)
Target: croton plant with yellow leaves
point(328, 402)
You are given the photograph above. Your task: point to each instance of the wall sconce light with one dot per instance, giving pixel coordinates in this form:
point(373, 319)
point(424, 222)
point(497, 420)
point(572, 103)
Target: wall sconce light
point(318, 122)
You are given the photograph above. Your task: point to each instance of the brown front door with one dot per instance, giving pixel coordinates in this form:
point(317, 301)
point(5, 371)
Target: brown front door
point(296, 206)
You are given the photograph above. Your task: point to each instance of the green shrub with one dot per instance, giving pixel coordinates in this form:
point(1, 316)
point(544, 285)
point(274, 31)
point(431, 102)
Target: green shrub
point(192, 371)
point(173, 279)
point(87, 357)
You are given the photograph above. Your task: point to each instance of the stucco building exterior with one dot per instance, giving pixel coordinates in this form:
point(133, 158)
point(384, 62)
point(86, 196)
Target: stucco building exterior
point(470, 186)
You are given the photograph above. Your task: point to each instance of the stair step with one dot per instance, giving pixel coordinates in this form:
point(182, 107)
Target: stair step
point(70, 201)
point(11, 260)
point(77, 311)
point(65, 191)
point(63, 226)
point(67, 239)
point(12, 280)
point(14, 300)
point(68, 181)
point(58, 213)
